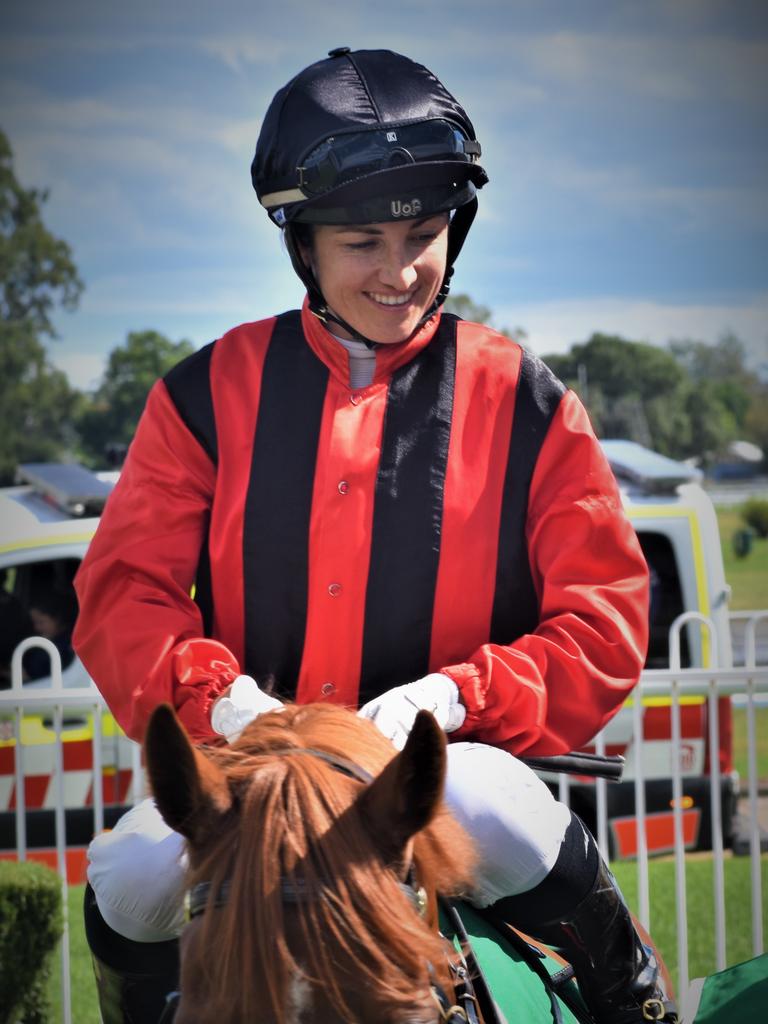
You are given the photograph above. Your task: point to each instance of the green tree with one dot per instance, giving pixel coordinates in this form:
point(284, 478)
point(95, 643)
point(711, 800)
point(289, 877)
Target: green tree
point(725, 359)
point(756, 422)
point(36, 274)
point(685, 401)
point(740, 392)
point(722, 368)
point(622, 383)
point(109, 418)
point(620, 367)
point(712, 423)
point(464, 305)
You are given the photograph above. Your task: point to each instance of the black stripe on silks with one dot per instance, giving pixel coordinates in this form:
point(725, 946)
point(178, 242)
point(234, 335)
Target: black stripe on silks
point(408, 516)
point(189, 385)
point(204, 588)
point(515, 604)
point(278, 506)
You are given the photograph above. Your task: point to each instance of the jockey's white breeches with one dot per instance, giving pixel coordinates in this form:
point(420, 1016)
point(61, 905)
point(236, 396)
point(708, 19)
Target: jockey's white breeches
point(137, 869)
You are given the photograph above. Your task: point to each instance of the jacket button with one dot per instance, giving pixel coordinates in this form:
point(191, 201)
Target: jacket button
point(334, 589)
point(355, 399)
point(343, 486)
point(327, 689)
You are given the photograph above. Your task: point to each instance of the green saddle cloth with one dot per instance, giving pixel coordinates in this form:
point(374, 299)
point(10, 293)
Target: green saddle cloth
point(738, 994)
point(518, 991)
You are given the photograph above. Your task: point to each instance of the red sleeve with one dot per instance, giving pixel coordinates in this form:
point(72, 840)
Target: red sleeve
point(552, 690)
point(139, 633)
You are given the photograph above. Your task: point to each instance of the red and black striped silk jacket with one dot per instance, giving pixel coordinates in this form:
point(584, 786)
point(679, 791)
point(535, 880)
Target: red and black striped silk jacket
point(456, 515)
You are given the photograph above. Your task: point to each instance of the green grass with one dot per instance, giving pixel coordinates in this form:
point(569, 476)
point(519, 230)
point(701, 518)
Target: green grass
point(700, 909)
point(740, 749)
point(701, 943)
point(83, 986)
point(748, 576)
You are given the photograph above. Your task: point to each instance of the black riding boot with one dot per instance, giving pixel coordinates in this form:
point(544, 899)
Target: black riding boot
point(134, 979)
point(587, 919)
point(618, 975)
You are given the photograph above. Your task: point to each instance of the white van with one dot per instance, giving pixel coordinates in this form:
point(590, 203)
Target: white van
point(677, 527)
point(47, 522)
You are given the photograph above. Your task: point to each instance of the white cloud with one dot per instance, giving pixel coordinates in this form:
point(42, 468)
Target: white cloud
point(83, 369)
point(678, 66)
point(183, 294)
point(632, 192)
point(238, 50)
point(151, 178)
point(113, 164)
point(200, 311)
point(554, 326)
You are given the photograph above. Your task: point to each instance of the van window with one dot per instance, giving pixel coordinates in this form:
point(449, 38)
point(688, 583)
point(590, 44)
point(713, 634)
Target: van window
point(666, 599)
point(37, 599)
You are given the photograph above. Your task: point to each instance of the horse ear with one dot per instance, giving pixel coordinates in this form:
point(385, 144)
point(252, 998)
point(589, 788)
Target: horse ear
point(404, 798)
point(190, 791)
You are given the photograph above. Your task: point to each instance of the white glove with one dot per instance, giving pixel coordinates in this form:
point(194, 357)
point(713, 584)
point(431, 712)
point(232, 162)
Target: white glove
point(394, 712)
point(244, 702)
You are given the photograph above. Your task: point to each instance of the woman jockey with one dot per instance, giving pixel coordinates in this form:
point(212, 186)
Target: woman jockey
point(380, 505)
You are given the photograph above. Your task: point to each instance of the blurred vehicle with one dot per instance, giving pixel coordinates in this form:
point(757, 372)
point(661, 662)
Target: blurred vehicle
point(48, 520)
point(46, 524)
point(677, 527)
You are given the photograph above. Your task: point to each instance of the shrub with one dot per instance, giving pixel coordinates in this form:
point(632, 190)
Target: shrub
point(755, 514)
point(30, 928)
point(741, 542)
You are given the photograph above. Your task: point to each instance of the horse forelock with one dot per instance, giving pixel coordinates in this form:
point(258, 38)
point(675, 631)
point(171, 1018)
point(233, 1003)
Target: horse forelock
point(296, 821)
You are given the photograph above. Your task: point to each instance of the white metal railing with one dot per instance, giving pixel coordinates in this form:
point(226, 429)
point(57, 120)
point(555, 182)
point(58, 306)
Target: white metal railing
point(57, 700)
point(749, 681)
point(748, 628)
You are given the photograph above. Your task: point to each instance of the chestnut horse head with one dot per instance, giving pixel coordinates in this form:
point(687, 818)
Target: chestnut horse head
point(307, 917)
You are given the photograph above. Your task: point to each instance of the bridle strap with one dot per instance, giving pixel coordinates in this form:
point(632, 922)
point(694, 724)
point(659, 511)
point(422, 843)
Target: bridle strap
point(172, 1001)
point(341, 764)
point(465, 1008)
point(478, 991)
point(296, 891)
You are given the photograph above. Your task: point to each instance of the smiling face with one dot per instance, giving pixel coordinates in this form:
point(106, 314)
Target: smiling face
point(380, 278)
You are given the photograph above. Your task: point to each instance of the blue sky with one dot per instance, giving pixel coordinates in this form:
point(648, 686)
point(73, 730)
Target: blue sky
point(625, 143)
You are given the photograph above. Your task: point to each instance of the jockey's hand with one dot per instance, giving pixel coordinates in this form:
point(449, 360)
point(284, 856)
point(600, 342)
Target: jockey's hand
point(238, 707)
point(394, 712)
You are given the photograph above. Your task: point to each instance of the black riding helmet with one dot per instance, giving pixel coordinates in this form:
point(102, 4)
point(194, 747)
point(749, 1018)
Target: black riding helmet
point(362, 137)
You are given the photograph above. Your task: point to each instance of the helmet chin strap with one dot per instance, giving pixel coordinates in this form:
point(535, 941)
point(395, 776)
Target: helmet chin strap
point(317, 304)
point(457, 233)
point(327, 315)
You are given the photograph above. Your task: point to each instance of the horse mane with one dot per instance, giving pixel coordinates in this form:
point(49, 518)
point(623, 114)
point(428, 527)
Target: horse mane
point(294, 818)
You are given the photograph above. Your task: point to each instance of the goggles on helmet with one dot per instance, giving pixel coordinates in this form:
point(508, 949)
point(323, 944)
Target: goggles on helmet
point(347, 157)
